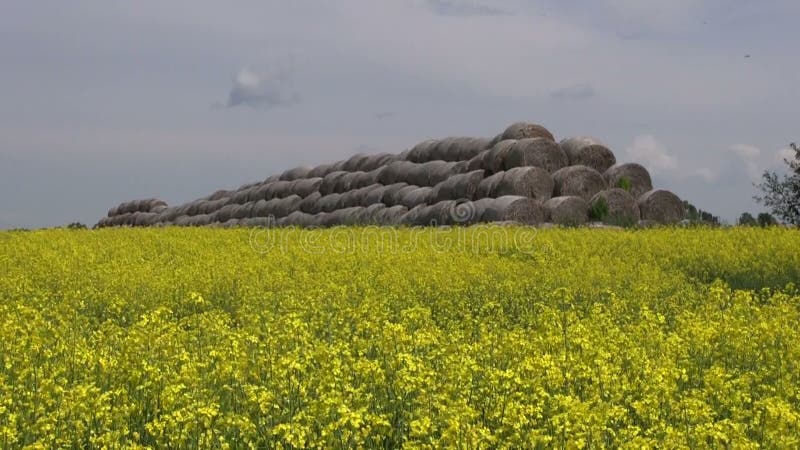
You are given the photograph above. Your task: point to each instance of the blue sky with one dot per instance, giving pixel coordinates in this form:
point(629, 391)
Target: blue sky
point(107, 101)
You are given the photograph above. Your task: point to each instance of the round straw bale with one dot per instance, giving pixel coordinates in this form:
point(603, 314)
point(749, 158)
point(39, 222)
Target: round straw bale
point(581, 181)
point(113, 211)
point(661, 206)
point(272, 178)
point(436, 214)
point(390, 215)
point(390, 193)
point(258, 222)
point(158, 208)
point(305, 187)
point(476, 162)
point(243, 211)
point(531, 182)
point(330, 182)
point(225, 213)
point(279, 189)
point(295, 173)
point(361, 179)
point(169, 214)
point(240, 197)
point(421, 152)
point(319, 171)
point(351, 198)
point(232, 223)
point(395, 197)
point(262, 208)
point(338, 166)
point(309, 204)
point(375, 195)
point(588, 152)
point(396, 172)
point(488, 186)
point(522, 130)
point(221, 193)
point(620, 206)
point(537, 152)
point(524, 210)
point(468, 148)
point(418, 196)
point(494, 159)
point(461, 186)
point(629, 174)
point(183, 221)
point(371, 214)
point(352, 163)
point(330, 202)
point(194, 208)
point(200, 220)
point(298, 219)
point(288, 205)
point(567, 210)
point(438, 171)
point(413, 217)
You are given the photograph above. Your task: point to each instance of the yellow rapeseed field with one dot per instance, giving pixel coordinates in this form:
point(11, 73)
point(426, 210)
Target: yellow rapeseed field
point(363, 338)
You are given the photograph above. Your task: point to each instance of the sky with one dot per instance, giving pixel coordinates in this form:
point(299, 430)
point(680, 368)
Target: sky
point(107, 101)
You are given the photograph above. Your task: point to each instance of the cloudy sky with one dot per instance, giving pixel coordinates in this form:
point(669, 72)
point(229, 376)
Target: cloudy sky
point(107, 101)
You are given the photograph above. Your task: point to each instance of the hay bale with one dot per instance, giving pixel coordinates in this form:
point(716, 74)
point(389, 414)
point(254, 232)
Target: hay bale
point(225, 213)
point(372, 162)
point(488, 186)
point(337, 166)
point(581, 181)
point(493, 160)
point(396, 172)
point(416, 197)
point(537, 152)
point(632, 174)
point(309, 204)
point(243, 211)
point(358, 180)
point(394, 192)
point(375, 195)
point(295, 173)
point(522, 130)
point(232, 223)
point(588, 152)
point(169, 214)
point(329, 203)
point(296, 219)
point(523, 210)
point(222, 193)
point(434, 172)
point(330, 183)
point(279, 189)
point(113, 212)
point(305, 187)
point(661, 206)
point(390, 216)
point(533, 182)
point(421, 152)
point(468, 148)
point(183, 221)
point(319, 171)
point(614, 206)
point(351, 164)
point(413, 216)
point(567, 210)
point(351, 198)
point(461, 186)
point(396, 196)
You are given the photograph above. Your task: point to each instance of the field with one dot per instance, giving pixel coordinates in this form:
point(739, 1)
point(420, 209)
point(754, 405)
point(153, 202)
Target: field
point(471, 338)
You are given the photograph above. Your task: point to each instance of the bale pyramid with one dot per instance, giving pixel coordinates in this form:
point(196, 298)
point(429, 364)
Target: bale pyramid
point(522, 175)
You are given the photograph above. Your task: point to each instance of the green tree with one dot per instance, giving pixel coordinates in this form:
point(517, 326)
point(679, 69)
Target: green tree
point(747, 220)
point(766, 220)
point(781, 194)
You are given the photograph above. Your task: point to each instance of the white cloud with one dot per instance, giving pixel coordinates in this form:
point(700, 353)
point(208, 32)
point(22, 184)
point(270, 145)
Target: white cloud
point(749, 155)
point(708, 175)
point(746, 151)
point(262, 90)
point(646, 150)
